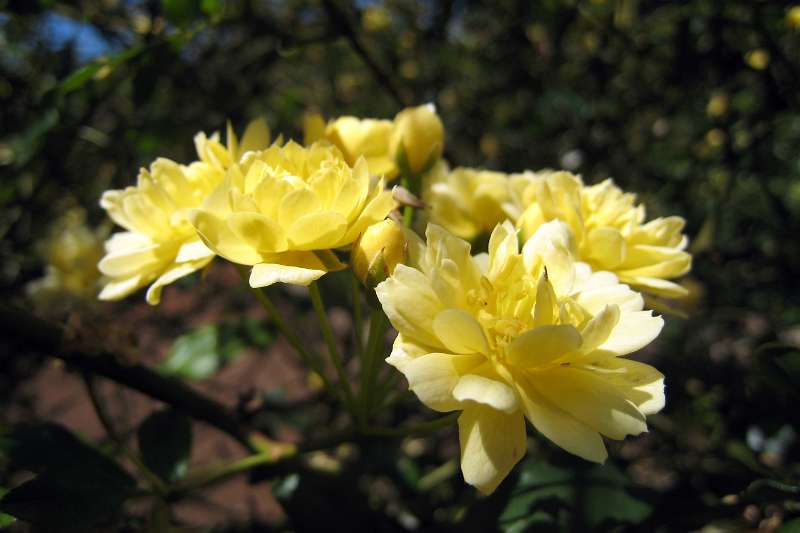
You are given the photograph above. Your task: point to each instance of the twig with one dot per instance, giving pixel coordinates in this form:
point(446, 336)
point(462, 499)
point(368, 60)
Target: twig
point(340, 20)
point(42, 337)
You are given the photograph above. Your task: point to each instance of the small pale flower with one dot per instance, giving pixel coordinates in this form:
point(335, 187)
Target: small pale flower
point(285, 209)
point(514, 335)
point(71, 252)
point(610, 230)
point(160, 245)
point(367, 138)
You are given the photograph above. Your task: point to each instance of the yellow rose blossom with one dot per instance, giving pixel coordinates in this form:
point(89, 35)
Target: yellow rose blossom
point(285, 208)
point(610, 230)
point(160, 245)
point(514, 335)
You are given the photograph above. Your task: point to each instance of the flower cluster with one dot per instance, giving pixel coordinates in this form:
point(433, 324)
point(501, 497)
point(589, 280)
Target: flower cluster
point(537, 326)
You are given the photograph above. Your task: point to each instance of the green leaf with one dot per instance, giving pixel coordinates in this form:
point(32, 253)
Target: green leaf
point(165, 442)
point(547, 495)
point(198, 354)
point(80, 77)
point(194, 355)
point(5, 519)
point(77, 487)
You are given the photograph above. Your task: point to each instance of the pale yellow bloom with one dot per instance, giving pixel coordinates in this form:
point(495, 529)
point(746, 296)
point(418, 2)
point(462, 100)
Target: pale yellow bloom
point(284, 210)
point(160, 245)
point(418, 136)
point(379, 250)
point(610, 230)
point(513, 334)
point(71, 252)
point(468, 201)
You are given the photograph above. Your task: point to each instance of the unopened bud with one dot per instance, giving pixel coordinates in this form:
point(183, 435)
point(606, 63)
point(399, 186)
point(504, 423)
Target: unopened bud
point(378, 251)
point(417, 139)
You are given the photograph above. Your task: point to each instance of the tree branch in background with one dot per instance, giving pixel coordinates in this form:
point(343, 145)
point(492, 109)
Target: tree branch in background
point(340, 20)
point(33, 334)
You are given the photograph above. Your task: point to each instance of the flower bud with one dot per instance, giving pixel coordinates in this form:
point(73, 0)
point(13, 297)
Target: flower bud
point(417, 139)
point(379, 249)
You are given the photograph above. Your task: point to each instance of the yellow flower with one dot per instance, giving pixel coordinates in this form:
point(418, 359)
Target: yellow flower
point(469, 202)
point(418, 137)
point(610, 232)
point(161, 245)
point(71, 252)
point(380, 249)
point(285, 208)
point(513, 334)
point(212, 152)
point(367, 138)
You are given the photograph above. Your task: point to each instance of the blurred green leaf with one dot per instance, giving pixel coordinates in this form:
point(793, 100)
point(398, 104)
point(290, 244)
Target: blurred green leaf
point(5, 519)
point(547, 494)
point(194, 355)
point(80, 77)
point(165, 442)
point(77, 486)
point(200, 353)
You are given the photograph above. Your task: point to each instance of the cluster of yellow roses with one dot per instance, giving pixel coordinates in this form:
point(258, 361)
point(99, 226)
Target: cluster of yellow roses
point(533, 328)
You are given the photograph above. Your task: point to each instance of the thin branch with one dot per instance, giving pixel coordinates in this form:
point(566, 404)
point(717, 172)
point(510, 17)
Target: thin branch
point(42, 337)
point(340, 20)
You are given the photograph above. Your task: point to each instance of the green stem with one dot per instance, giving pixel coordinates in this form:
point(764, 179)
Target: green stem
point(377, 329)
point(209, 475)
point(330, 340)
point(413, 429)
point(153, 480)
point(358, 318)
point(309, 359)
point(408, 211)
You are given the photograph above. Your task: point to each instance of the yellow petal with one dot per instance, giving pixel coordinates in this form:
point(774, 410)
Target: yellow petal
point(218, 236)
point(116, 289)
point(605, 247)
point(317, 231)
point(561, 427)
point(633, 332)
point(552, 246)
point(546, 309)
point(543, 345)
point(486, 391)
point(595, 300)
point(598, 329)
point(192, 251)
point(410, 303)
point(128, 262)
point(257, 231)
point(640, 383)
point(256, 137)
point(460, 332)
point(492, 442)
point(592, 400)
point(297, 268)
point(296, 205)
point(432, 377)
point(661, 287)
point(172, 274)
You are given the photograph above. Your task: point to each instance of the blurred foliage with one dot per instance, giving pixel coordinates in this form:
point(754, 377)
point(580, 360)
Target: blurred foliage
point(693, 105)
